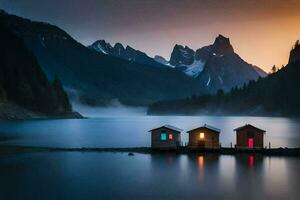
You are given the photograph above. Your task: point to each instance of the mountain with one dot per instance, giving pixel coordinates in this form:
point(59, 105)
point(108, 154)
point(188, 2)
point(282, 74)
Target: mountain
point(276, 94)
point(128, 53)
point(95, 78)
point(295, 53)
point(261, 72)
point(216, 66)
point(25, 91)
point(160, 60)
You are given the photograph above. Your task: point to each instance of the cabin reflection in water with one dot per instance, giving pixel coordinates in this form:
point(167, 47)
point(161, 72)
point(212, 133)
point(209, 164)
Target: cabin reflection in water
point(200, 162)
point(249, 161)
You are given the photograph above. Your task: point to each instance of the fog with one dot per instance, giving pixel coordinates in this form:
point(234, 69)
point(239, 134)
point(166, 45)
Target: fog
point(115, 109)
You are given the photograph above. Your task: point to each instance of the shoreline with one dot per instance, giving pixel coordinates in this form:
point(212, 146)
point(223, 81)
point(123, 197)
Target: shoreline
point(13, 149)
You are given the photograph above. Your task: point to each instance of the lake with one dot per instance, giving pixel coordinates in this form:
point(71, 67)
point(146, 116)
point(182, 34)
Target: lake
point(132, 131)
point(75, 175)
point(82, 175)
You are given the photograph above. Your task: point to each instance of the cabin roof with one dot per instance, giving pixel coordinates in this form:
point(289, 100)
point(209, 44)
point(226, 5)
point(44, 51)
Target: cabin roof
point(214, 129)
point(170, 127)
point(248, 126)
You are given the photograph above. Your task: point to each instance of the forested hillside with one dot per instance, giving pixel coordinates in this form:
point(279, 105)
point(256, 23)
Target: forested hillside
point(24, 87)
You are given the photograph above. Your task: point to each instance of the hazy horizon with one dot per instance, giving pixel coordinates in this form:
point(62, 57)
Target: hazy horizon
point(261, 32)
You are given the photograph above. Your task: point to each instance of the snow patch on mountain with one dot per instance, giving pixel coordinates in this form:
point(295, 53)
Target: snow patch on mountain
point(218, 55)
point(99, 49)
point(208, 82)
point(169, 65)
point(195, 69)
point(163, 61)
point(220, 79)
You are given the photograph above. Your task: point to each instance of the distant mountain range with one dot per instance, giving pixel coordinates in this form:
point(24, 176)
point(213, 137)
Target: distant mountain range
point(97, 74)
point(216, 66)
point(25, 91)
point(277, 94)
point(98, 78)
point(127, 53)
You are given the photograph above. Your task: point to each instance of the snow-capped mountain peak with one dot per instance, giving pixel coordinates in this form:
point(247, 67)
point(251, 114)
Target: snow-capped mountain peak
point(216, 66)
point(101, 46)
point(127, 53)
point(163, 61)
point(195, 68)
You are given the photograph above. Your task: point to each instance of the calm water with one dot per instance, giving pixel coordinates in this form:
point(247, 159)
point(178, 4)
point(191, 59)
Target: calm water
point(73, 175)
point(133, 131)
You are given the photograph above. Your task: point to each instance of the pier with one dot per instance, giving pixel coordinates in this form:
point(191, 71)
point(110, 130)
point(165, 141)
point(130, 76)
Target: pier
point(11, 149)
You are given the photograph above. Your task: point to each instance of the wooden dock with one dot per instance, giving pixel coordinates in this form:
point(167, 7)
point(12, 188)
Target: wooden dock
point(11, 149)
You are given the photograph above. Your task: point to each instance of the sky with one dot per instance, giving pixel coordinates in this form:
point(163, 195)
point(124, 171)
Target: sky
point(262, 32)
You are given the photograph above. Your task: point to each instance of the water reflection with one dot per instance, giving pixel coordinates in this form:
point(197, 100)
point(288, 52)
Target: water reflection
point(249, 161)
point(169, 176)
point(200, 163)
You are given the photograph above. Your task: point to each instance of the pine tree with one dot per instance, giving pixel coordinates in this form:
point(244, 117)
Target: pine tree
point(274, 69)
point(297, 44)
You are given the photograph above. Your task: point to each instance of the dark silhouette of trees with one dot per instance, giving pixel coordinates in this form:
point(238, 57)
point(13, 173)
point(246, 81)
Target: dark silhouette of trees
point(297, 44)
point(274, 69)
point(23, 82)
point(277, 94)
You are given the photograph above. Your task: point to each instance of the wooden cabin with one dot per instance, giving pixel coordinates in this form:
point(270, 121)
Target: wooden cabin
point(204, 137)
point(165, 137)
point(249, 137)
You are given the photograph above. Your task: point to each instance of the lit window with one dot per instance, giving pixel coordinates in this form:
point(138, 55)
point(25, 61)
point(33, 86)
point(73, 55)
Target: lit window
point(170, 137)
point(163, 136)
point(201, 135)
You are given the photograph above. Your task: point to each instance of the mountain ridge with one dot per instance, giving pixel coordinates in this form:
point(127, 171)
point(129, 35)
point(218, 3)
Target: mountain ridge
point(129, 75)
point(98, 78)
point(272, 95)
point(206, 64)
point(127, 53)
point(25, 91)
point(216, 66)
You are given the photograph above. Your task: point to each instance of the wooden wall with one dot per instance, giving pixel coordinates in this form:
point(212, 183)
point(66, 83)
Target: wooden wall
point(157, 143)
point(242, 138)
point(211, 139)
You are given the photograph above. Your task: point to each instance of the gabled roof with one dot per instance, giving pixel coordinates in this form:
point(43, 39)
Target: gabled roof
point(214, 129)
point(167, 126)
point(248, 126)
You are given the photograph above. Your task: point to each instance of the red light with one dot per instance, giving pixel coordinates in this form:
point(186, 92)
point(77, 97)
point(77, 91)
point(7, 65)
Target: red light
point(170, 137)
point(250, 142)
point(251, 161)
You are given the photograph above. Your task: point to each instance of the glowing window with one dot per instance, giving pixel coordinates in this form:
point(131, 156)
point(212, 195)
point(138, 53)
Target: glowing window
point(163, 136)
point(170, 137)
point(250, 142)
point(201, 135)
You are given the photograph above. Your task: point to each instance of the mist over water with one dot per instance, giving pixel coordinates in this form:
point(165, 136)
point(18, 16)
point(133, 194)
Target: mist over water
point(115, 109)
